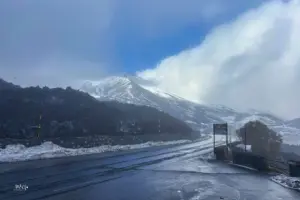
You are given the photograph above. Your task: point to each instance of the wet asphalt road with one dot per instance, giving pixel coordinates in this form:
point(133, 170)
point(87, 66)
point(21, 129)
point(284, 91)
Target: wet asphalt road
point(173, 173)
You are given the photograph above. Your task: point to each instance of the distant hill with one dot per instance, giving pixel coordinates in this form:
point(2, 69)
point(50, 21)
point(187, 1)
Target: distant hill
point(6, 85)
point(294, 123)
point(295, 149)
point(50, 113)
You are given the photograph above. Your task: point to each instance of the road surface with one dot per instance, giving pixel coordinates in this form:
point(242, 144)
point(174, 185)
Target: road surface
point(177, 172)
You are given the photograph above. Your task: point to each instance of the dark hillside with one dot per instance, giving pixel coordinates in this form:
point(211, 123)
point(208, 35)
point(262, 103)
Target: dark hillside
point(43, 113)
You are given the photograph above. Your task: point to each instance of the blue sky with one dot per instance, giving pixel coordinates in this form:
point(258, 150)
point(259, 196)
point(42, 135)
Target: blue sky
point(208, 51)
point(137, 52)
point(143, 53)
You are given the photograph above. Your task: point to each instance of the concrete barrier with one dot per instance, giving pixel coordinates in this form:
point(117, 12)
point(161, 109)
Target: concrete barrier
point(220, 153)
point(294, 169)
point(250, 160)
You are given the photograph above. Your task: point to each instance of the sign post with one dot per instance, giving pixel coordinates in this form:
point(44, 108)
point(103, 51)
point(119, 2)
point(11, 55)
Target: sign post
point(214, 138)
point(220, 129)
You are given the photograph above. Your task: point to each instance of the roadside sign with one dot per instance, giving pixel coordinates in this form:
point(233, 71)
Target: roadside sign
point(220, 129)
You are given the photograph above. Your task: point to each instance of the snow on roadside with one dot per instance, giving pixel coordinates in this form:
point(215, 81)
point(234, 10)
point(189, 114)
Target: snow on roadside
point(242, 146)
point(13, 153)
point(208, 156)
point(286, 181)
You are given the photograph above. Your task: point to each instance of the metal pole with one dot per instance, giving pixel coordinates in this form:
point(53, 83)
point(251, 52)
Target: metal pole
point(227, 141)
point(159, 125)
point(245, 139)
point(214, 136)
point(226, 135)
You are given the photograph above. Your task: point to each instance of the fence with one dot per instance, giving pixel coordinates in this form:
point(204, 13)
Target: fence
point(236, 151)
point(260, 163)
point(250, 160)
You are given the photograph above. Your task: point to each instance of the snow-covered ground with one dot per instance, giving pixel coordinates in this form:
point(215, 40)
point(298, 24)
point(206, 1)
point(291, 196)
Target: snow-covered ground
point(290, 135)
point(13, 153)
point(208, 156)
point(286, 181)
point(242, 146)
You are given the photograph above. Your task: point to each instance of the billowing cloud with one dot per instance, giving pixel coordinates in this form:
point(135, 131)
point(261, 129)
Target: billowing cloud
point(41, 36)
point(251, 62)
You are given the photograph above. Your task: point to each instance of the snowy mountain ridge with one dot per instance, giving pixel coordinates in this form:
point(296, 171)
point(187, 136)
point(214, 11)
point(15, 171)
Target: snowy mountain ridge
point(118, 88)
point(200, 117)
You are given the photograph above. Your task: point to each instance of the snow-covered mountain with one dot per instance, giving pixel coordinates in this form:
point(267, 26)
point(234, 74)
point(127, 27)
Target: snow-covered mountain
point(200, 117)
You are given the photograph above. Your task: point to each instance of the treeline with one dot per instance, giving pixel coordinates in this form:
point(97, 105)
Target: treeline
point(51, 113)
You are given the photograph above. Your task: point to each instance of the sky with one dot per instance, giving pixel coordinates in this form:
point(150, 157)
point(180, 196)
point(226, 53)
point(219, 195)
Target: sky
point(242, 54)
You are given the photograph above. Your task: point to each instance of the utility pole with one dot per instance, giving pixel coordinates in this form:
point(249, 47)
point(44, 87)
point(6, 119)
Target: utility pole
point(159, 125)
point(214, 136)
point(227, 145)
point(39, 127)
point(226, 135)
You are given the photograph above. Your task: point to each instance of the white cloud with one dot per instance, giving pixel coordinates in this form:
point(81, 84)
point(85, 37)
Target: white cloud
point(55, 72)
point(89, 31)
point(252, 62)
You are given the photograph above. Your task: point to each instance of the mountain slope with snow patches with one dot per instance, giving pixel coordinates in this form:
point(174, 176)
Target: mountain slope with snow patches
point(128, 91)
point(134, 90)
point(294, 123)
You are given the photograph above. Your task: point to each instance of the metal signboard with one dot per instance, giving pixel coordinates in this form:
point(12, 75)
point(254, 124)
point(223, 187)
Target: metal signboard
point(220, 129)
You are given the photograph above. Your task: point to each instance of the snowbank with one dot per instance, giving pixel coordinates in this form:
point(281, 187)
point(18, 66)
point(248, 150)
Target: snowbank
point(209, 156)
point(13, 153)
point(242, 146)
point(286, 181)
